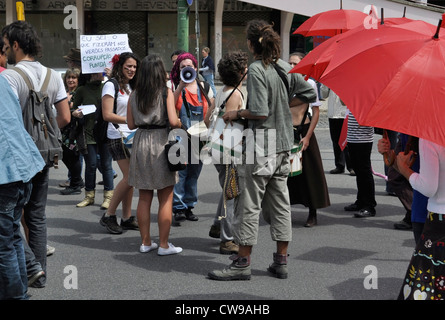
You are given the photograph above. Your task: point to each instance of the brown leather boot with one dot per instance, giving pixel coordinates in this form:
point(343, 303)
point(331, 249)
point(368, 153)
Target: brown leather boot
point(279, 266)
point(228, 247)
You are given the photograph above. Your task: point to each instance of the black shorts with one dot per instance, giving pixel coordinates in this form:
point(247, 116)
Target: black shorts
point(118, 150)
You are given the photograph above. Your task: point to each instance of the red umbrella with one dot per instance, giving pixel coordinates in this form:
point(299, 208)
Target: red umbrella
point(396, 82)
point(315, 62)
point(332, 22)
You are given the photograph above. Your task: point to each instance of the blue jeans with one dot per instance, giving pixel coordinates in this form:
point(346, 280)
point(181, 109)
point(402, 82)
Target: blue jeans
point(35, 219)
point(91, 160)
point(185, 192)
point(210, 79)
point(13, 278)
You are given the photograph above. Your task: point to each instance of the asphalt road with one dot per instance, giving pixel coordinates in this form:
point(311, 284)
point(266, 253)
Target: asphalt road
point(343, 258)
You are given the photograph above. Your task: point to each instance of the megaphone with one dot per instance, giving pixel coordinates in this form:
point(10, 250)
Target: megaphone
point(188, 74)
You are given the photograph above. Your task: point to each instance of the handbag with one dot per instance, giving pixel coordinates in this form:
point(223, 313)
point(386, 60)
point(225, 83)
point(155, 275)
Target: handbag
point(181, 163)
point(296, 160)
point(224, 137)
point(231, 187)
point(231, 183)
point(128, 140)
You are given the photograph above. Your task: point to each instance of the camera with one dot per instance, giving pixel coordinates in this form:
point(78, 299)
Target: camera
point(188, 74)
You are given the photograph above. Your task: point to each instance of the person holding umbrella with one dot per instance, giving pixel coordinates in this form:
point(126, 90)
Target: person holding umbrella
point(412, 200)
point(425, 277)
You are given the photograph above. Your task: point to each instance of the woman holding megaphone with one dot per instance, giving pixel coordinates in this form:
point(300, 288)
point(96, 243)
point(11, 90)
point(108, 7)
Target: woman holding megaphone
point(192, 100)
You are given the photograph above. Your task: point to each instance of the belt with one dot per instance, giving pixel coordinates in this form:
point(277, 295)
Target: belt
point(151, 126)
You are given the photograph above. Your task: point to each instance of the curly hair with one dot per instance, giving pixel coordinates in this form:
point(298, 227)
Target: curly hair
point(25, 35)
point(265, 41)
point(232, 67)
point(117, 73)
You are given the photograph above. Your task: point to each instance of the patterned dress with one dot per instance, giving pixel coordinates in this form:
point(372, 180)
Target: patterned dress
point(425, 277)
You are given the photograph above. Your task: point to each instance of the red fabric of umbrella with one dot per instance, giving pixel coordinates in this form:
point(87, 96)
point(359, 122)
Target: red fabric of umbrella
point(330, 23)
point(393, 78)
point(315, 62)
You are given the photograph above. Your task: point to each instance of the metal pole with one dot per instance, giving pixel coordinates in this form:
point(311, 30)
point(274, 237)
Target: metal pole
point(183, 25)
point(198, 31)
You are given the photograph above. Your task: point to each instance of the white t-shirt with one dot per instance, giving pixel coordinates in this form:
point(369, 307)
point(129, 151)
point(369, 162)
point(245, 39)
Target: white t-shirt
point(121, 109)
point(56, 88)
point(430, 180)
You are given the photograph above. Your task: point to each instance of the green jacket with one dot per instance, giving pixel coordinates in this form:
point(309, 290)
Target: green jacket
point(268, 96)
point(90, 93)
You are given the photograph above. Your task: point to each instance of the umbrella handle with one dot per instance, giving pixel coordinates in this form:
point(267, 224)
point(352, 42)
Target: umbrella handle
point(408, 148)
point(390, 156)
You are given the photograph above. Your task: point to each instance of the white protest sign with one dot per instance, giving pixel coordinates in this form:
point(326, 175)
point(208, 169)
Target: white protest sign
point(96, 51)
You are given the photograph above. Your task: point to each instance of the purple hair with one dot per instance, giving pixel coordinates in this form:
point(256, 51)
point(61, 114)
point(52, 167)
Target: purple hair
point(175, 73)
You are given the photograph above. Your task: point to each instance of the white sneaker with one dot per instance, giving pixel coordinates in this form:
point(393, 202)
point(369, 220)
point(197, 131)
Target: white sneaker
point(143, 248)
point(50, 250)
point(171, 250)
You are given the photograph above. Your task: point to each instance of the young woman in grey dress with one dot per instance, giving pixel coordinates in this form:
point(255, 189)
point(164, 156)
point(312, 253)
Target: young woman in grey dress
point(151, 109)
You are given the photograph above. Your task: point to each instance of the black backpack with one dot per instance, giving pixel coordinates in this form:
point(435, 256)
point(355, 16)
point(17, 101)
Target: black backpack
point(39, 120)
point(100, 125)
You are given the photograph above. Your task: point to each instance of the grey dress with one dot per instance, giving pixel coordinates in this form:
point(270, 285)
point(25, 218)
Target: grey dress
point(148, 164)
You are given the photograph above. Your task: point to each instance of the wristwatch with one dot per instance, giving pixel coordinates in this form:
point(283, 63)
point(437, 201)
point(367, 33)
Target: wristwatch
point(238, 113)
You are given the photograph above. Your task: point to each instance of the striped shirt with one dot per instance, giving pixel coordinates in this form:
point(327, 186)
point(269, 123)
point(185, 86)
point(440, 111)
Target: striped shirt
point(358, 133)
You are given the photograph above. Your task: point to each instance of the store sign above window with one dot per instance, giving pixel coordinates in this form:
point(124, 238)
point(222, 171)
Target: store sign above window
point(132, 5)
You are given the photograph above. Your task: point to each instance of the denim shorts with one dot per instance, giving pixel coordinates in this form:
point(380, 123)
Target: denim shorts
point(118, 150)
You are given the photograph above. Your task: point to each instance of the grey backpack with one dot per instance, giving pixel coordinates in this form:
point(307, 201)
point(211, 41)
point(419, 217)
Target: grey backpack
point(40, 120)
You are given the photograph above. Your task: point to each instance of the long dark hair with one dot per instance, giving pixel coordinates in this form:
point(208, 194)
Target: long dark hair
point(151, 81)
point(264, 40)
point(118, 64)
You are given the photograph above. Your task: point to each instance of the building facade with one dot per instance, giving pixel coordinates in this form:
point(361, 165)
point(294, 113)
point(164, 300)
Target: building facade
point(151, 25)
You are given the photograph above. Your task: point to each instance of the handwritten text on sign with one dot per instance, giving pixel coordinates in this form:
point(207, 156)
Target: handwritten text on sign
point(98, 50)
